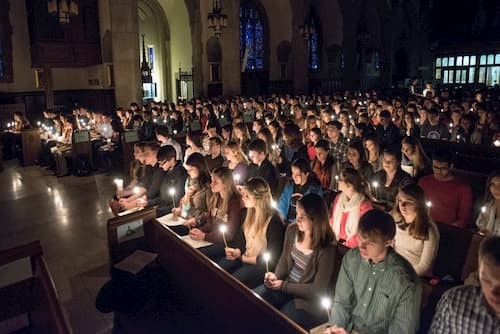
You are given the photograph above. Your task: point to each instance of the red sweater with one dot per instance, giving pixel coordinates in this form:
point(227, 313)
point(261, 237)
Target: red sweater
point(451, 201)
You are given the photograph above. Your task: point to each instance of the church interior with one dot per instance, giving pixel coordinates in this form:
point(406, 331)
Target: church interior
point(135, 135)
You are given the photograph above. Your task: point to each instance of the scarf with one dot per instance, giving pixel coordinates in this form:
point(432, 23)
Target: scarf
point(352, 207)
point(488, 220)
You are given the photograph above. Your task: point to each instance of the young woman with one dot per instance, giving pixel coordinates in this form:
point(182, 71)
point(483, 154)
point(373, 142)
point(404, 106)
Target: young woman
point(324, 166)
point(349, 206)
point(408, 126)
point(241, 135)
point(197, 193)
point(356, 159)
point(488, 220)
point(194, 142)
point(236, 161)
point(224, 208)
point(417, 237)
point(386, 182)
point(262, 231)
point(372, 152)
point(62, 150)
point(275, 129)
point(303, 181)
point(305, 268)
point(314, 136)
point(414, 161)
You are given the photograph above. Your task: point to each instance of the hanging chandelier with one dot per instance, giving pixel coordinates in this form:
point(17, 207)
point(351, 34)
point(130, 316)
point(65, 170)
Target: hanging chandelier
point(307, 30)
point(63, 9)
point(217, 20)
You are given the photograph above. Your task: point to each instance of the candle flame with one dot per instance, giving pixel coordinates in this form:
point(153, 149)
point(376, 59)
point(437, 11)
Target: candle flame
point(326, 302)
point(223, 229)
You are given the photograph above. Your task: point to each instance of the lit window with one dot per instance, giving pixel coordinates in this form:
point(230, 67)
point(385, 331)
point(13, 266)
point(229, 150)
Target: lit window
point(251, 36)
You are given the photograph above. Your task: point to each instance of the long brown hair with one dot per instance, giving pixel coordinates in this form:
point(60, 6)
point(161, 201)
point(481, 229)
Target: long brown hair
point(420, 227)
point(217, 201)
point(316, 211)
point(419, 159)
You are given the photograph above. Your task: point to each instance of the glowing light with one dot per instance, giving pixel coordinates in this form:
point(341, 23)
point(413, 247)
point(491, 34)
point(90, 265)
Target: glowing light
point(326, 303)
point(483, 209)
point(428, 204)
point(267, 257)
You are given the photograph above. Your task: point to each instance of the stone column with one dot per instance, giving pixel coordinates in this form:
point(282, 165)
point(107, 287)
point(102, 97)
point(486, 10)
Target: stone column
point(230, 44)
point(300, 56)
point(126, 62)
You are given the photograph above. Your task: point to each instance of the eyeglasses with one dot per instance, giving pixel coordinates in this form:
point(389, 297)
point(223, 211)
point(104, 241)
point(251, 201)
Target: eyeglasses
point(441, 168)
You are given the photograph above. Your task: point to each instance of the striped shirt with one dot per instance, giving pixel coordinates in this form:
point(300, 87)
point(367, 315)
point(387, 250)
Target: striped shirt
point(300, 261)
point(376, 298)
point(463, 309)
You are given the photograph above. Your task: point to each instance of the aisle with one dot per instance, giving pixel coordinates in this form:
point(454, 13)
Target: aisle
point(68, 215)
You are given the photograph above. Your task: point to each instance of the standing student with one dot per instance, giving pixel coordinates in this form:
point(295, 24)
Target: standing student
point(305, 268)
point(262, 231)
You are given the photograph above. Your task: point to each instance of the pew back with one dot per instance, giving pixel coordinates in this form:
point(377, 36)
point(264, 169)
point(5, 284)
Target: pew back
point(81, 146)
point(27, 292)
point(127, 140)
point(32, 146)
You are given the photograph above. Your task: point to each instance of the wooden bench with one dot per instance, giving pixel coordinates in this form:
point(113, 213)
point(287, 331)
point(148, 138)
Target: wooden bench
point(81, 146)
point(32, 146)
point(28, 298)
point(127, 141)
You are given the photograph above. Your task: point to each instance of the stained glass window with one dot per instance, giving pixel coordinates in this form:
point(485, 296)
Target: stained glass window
point(251, 37)
point(314, 47)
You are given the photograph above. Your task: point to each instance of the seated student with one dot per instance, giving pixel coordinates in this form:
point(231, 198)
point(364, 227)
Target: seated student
point(349, 206)
point(194, 144)
point(377, 290)
point(434, 129)
point(241, 135)
point(236, 161)
point(262, 231)
point(261, 166)
point(488, 220)
point(62, 150)
point(338, 143)
point(356, 159)
point(197, 193)
point(149, 187)
point(325, 166)
point(214, 159)
point(417, 237)
point(136, 171)
point(294, 148)
point(163, 136)
point(305, 268)
point(414, 161)
point(174, 179)
point(303, 182)
point(224, 208)
point(387, 133)
point(386, 182)
point(450, 198)
point(473, 309)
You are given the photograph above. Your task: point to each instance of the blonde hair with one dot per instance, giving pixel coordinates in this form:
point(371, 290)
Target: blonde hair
point(238, 152)
point(257, 218)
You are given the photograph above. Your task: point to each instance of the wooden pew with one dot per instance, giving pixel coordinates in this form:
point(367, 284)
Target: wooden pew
point(28, 298)
point(32, 146)
point(127, 140)
point(81, 145)
point(241, 312)
point(126, 234)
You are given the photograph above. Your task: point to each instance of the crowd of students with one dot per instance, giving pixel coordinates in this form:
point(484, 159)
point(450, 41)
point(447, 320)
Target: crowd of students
point(289, 177)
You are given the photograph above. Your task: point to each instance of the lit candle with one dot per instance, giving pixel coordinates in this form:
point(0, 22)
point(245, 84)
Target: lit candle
point(175, 132)
point(332, 117)
point(119, 184)
point(274, 147)
point(274, 204)
point(326, 303)
point(171, 192)
point(223, 229)
point(496, 143)
point(108, 140)
point(336, 182)
point(428, 204)
point(458, 138)
point(38, 123)
point(136, 190)
point(417, 120)
point(483, 209)
point(267, 257)
point(375, 186)
point(237, 178)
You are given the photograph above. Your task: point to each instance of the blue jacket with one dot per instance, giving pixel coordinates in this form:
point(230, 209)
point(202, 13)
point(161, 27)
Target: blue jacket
point(285, 200)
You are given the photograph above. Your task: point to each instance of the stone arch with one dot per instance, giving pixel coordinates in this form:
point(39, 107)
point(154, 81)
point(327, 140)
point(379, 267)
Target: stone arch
point(152, 20)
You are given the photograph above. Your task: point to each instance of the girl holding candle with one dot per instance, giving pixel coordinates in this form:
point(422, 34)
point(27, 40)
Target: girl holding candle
point(305, 268)
point(356, 159)
point(262, 231)
point(414, 161)
point(236, 160)
point(488, 220)
point(349, 206)
point(324, 166)
point(417, 237)
point(224, 208)
point(372, 152)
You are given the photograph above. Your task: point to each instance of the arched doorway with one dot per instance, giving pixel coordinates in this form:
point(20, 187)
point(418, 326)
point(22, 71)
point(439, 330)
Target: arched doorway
point(153, 24)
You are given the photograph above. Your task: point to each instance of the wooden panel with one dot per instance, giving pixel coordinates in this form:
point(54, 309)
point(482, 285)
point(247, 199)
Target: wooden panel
point(240, 314)
point(56, 54)
point(32, 146)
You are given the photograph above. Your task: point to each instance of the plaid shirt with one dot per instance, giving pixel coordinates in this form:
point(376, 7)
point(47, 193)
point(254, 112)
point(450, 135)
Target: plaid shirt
point(463, 309)
point(339, 150)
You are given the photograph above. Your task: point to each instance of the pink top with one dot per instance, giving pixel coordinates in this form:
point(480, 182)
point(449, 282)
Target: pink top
point(352, 242)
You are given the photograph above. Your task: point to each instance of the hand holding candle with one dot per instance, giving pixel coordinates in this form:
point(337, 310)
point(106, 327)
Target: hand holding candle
point(119, 184)
point(223, 230)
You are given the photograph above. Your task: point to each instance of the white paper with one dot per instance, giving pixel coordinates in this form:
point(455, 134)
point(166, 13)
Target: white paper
point(123, 213)
point(169, 220)
point(194, 243)
point(16, 271)
point(136, 261)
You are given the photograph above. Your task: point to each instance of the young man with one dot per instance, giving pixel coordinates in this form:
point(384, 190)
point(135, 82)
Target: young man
point(165, 139)
point(338, 144)
point(261, 166)
point(450, 198)
point(214, 159)
point(387, 133)
point(377, 290)
point(473, 309)
point(174, 179)
point(434, 129)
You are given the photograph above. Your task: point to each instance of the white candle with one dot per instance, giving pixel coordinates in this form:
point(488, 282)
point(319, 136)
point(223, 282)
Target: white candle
point(375, 186)
point(326, 303)
point(119, 184)
point(428, 204)
point(38, 123)
point(267, 257)
point(496, 143)
point(175, 132)
point(223, 229)
point(171, 192)
point(483, 209)
point(336, 182)
point(237, 178)
point(136, 190)
point(274, 204)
